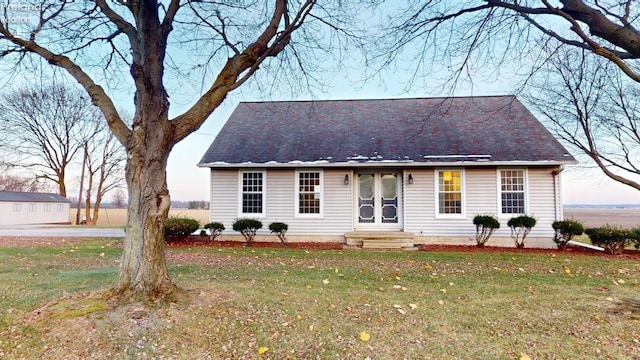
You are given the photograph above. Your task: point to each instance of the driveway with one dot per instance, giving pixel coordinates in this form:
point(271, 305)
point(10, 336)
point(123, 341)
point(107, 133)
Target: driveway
point(60, 231)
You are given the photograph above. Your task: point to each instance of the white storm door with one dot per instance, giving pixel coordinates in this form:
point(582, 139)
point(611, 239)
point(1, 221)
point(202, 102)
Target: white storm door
point(378, 201)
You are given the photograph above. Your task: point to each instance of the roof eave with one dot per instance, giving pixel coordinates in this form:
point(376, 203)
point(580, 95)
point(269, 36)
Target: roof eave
point(384, 163)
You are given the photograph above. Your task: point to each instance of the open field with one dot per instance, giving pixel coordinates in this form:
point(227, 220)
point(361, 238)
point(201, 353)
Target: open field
point(626, 218)
point(118, 217)
point(297, 304)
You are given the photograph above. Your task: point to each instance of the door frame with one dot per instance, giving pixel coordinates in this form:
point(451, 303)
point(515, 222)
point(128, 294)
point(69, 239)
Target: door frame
point(378, 225)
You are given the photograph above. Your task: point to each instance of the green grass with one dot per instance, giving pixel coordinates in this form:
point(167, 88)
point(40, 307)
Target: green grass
point(315, 304)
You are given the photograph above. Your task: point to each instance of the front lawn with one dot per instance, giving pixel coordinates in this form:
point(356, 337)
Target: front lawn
point(297, 304)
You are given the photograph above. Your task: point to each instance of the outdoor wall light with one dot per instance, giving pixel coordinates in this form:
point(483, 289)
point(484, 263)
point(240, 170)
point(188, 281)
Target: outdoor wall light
point(346, 179)
point(410, 179)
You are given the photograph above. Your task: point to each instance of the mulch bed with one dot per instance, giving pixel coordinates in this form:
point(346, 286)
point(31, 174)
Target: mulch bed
point(196, 241)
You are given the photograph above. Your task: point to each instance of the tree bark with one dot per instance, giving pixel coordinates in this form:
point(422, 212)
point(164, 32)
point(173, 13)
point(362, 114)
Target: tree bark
point(143, 271)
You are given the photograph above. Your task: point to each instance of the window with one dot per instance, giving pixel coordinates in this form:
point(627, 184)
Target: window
point(309, 193)
point(17, 207)
point(60, 207)
point(47, 207)
point(450, 192)
point(512, 192)
point(252, 193)
point(33, 207)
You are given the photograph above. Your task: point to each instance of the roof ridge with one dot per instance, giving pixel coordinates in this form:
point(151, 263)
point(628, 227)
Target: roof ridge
point(383, 99)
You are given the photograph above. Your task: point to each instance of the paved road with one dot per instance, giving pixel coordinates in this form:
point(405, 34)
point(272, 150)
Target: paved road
point(59, 231)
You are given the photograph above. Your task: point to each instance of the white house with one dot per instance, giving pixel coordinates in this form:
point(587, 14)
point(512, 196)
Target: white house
point(405, 171)
point(17, 208)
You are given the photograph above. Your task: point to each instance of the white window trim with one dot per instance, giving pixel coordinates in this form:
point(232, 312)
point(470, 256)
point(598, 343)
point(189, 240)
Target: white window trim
point(526, 192)
point(436, 183)
point(46, 207)
point(263, 214)
point(60, 207)
point(33, 208)
point(16, 207)
point(297, 195)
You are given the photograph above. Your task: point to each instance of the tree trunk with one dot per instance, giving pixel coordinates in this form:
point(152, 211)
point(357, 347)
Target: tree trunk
point(143, 270)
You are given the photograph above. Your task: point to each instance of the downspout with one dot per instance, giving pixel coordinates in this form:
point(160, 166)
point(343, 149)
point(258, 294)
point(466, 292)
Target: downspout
point(557, 205)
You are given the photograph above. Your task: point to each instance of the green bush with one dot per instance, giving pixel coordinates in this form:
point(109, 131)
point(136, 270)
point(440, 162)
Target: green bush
point(215, 229)
point(612, 239)
point(634, 237)
point(520, 228)
point(280, 229)
point(485, 226)
point(180, 226)
point(565, 231)
point(247, 227)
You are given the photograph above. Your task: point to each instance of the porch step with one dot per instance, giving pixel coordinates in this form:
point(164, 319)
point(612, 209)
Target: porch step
point(383, 240)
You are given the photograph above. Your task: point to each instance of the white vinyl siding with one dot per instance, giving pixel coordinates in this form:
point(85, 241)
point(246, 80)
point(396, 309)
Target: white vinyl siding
point(280, 200)
point(23, 213)
point(481, 197)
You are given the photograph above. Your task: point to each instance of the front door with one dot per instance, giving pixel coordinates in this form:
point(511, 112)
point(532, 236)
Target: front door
point(378, 202)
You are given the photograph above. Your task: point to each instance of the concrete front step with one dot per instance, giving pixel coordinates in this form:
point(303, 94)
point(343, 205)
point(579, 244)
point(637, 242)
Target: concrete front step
point(381, 240)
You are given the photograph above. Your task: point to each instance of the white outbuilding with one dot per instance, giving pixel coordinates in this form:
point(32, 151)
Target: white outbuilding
point(21, 208)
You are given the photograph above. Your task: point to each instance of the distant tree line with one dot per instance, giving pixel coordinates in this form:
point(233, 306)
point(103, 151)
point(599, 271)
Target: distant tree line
point(190, 204)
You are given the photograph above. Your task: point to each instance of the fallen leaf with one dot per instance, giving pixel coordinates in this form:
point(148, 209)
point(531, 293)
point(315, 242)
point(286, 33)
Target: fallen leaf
point(567, 271)
point(451, 284)
point(325, 281)
point(364, 336)
point(401, 311)
point(337, 271)
point(620, 281)
point(101, 254)
point(413, 306)
point(444, 291)
point(440, 302)
point(397, 306)
point(262, 350)
point(524, 356)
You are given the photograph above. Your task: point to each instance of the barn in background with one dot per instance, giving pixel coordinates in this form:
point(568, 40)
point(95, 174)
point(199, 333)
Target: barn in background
point(21, 208)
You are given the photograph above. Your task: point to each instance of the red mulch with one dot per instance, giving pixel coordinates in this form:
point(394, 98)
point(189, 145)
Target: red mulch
point(192, 241)
point(573, 250)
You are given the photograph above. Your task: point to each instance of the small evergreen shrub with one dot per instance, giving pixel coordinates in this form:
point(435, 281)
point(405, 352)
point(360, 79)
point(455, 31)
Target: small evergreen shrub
point(485, 226)
point(520, 228)
point(180, 226)
point(280, 229)
point(215, 229)
point(611, 239)
point(247, 227)
point(565, 231)
point(634, 237)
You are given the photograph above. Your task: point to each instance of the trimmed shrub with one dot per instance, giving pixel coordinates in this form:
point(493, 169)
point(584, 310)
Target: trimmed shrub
point(611, 239)
point(180, 226)
point(215, 229)
point(565, 231)
point(634, 237)
point(280, 229)
point(247, 227)
point(485, 226)
point(520, 228)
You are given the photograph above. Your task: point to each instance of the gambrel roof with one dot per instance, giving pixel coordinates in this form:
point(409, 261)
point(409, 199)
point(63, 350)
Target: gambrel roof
point(420, 131)
point(32, 197)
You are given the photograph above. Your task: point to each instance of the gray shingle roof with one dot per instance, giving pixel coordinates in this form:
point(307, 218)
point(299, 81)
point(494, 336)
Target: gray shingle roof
point(33, 197)
point(423, 130)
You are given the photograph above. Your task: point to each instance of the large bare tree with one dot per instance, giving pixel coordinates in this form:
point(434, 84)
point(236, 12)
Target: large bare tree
point(593, 109)
point(142, 44)
point(44, 127)
point(517, 39)
point(104, 167)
